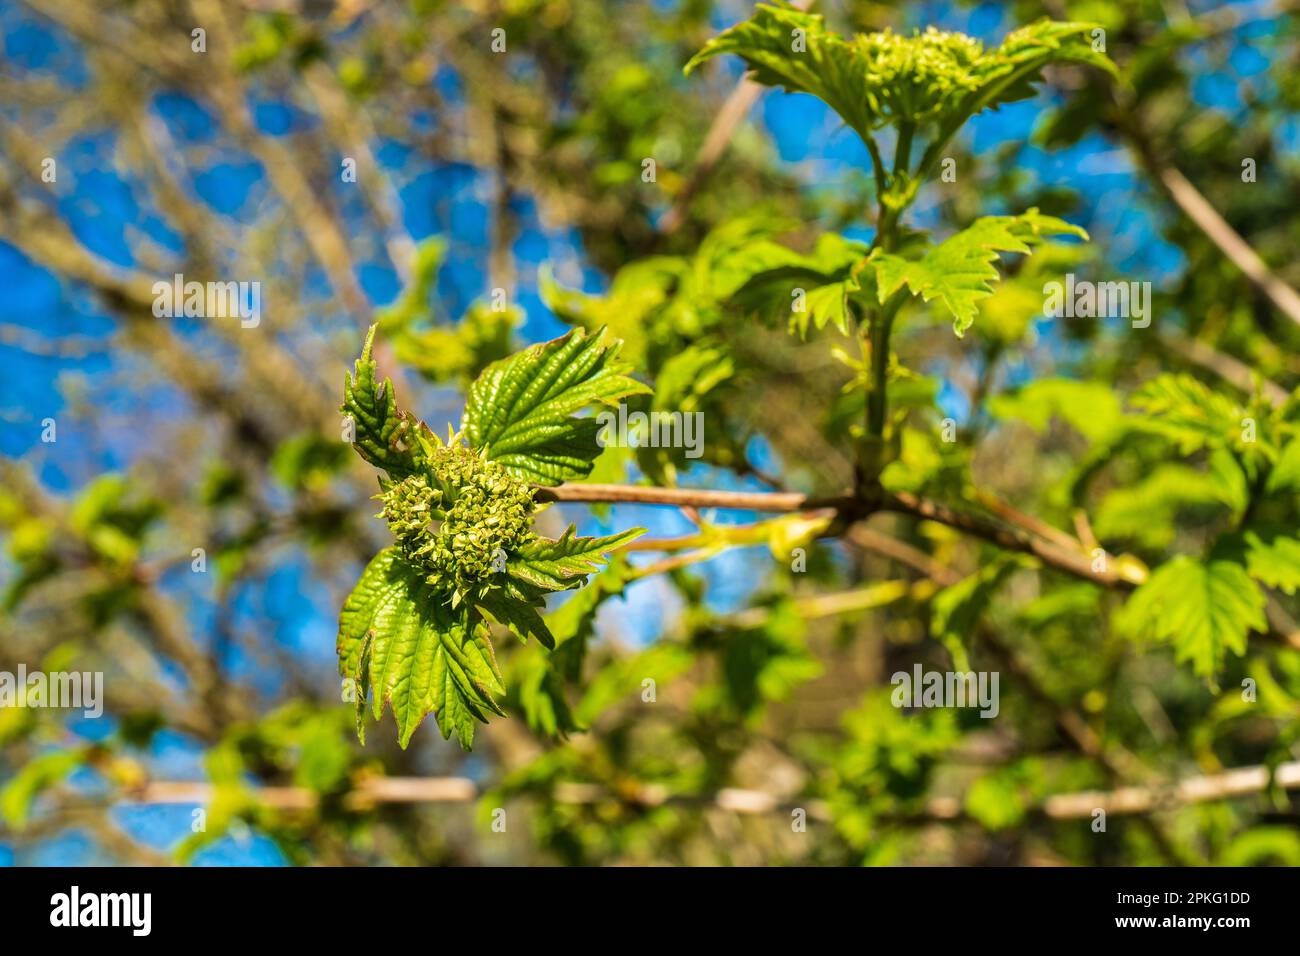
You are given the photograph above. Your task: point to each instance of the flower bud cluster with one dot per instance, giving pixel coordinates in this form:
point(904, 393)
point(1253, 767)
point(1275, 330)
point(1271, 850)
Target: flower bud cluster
point(460, 520)
point(919, 78)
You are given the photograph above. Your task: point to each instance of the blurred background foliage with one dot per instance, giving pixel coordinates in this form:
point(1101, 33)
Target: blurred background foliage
point(770, 738)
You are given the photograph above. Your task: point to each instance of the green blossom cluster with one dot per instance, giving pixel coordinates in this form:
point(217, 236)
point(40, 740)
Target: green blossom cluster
point(459, 520)
point(921, 77)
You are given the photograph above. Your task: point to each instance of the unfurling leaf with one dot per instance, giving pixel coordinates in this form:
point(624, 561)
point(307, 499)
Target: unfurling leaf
point(384, 436)
point(564, 563)
point(522, 411)
point(959, 271)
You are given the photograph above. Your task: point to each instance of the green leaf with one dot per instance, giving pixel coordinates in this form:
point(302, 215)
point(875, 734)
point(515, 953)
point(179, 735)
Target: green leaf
point(523, 409)
point(996, 801)
point(767, 664)
point(959, 271)
point(1263, 846)
point(1144, 511)
point(541, 697)
point(458, 353)
point(955, 611)
point(384, 436)
point(404, 645)
point(519, 615)
point(1091, 408)
point(1274, 562)
point(557, 565)
point(637, 291)
point(737, 252)
point(1205, 609)
point(831, 69)
point(412, 304)
point(689, 375)
point(34, 778)
point(1188, 412)
point(1285, 474)
point(574, 622)
point(826, 305)
point(624, 679)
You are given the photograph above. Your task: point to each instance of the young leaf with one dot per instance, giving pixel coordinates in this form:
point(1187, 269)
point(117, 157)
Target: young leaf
point(830, 69)
point(1009, 73)
point(1285, 474)
point(384, 436)
point(541, 697)
point(1204, 608)
point(956, 610)
point(1188, 412)
point(1091, 408)
point(1275, 561)
point(523, 409)
point(518, 612)
point(557, 565)
point(827, 304)
point(959, 271)
point(410, 650)
point(412, 634)
point(689, 375)
point(827, 275)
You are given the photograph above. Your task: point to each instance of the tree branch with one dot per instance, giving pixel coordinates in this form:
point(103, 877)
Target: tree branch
point(373, 791)
point(766, 501)
point(1206, 218)
point(1115, 574)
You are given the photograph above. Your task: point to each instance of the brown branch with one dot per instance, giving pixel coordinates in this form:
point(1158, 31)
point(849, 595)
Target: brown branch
point(324, 235)
point(1205, 217)
point(1052, 553)
point(373, 791)
point(1201, 789)
point(1030, 523)
point(1116, 574)
point(766, 501)
point(903, 553)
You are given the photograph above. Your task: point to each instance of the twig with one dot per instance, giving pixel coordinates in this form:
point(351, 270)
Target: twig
point(1034, 525)
point(373, 791)
point(765, 501)
point(1116, 574)
point(904, 553)
point(1206, 218)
